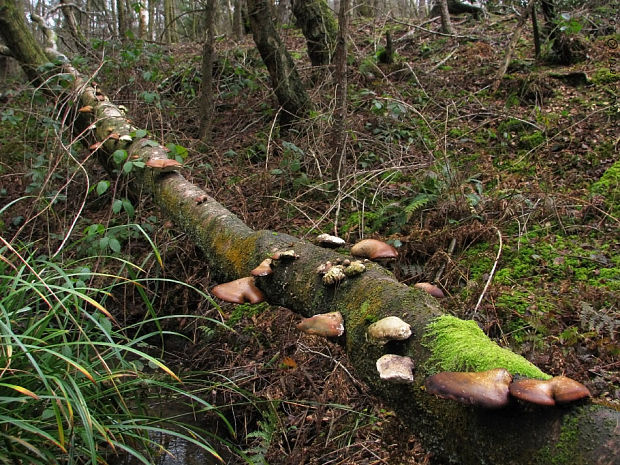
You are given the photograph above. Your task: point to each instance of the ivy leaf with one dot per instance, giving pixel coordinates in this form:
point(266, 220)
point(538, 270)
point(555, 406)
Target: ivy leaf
point(119, 156)
point(117, 206)
point(114, 245)
point(102, 186)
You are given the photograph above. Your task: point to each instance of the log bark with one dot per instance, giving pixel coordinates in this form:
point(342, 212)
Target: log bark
point(576, 434)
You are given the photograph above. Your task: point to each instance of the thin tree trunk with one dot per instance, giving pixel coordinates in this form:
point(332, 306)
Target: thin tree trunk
point(446, 24)
point(206, 91)
point(535, 33)
point(72, 24)
point(340, 79)
point(121, 19)
point(285, 80)
point(151, 7)
point(513, 43)
point(238, 20)
point(576, 435)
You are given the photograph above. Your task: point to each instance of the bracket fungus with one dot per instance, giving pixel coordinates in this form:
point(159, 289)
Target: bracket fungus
point(374, 250)
point(324, 324)
point(263, 268)
point(326, 240)
point(487, 389)
point(285, 255)
point(390, 328)
point(239, 291)
point(331, 273)
point(353, 268)
point(163, 165)
point(558, 389)
point(431, 289)
point(395, 368)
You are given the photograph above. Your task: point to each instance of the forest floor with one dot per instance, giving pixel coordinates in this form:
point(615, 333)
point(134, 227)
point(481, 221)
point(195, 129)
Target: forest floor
point(517, 188)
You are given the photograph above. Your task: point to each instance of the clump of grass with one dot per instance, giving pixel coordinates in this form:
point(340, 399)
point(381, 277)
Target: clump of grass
point(74, 386)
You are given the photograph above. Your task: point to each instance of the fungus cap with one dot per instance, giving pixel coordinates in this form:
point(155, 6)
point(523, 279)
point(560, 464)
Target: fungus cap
point(263, 268)
point(374, 250)
point(431, 289)
point(325, 324)
point(568, 390)
point(535, 391)
point(395, 368)
point(326, 240)
point(163, 165)
point(239, 291)
point(487, 389)
point(388, 329)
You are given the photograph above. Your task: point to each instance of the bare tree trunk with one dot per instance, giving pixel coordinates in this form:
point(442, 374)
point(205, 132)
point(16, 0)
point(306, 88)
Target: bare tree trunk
point(72, 24)
point(285, 80)
point(340, 79)
point(535, 32)
point(121, 18)
point(446, 24)
point(319, 28)
point(143, 19)
point(238, 20)
point(171, 35)
point(513, 43)
point(576, 435)
point(206, 91)
point(151, 5)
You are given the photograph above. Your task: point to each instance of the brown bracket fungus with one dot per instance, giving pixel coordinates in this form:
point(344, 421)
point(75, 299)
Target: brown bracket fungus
point(239, 291)
point(325, 324)
point(374, 250)
point(487, 389)
point(285, 255)
point(395, 368)
point(263, 269)
point(325, 240)
point(390, 328)
point(163, 165)
point(431, 289)
point(559, 389)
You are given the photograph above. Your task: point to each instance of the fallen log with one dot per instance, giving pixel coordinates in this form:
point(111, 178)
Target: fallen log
point(575, 434)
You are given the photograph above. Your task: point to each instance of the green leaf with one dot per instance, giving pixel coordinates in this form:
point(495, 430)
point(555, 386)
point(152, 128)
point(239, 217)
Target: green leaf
point(140, 133)
point(119, 156)
point(117, 206)
point(102, 186)
point(115, 245)
point(103, 243)
point(127, 167)
point(128, 207)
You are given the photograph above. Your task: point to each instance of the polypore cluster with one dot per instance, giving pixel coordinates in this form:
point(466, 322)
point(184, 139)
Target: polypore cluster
point(493, 388)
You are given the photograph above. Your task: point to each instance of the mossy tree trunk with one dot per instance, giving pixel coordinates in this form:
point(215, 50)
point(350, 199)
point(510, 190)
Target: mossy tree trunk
point(319, 27)
point(576, 435)
point(19, 40)
point(285, 80)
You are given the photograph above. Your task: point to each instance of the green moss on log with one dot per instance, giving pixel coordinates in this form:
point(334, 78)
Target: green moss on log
point(460, 345)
